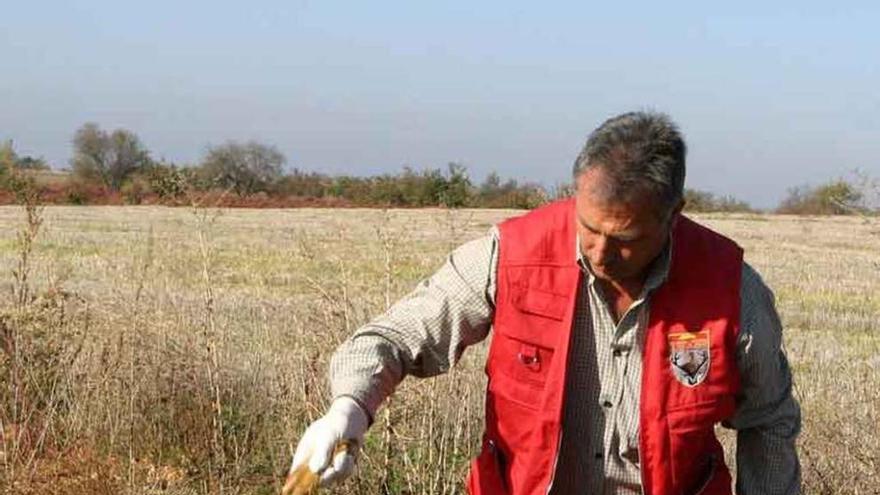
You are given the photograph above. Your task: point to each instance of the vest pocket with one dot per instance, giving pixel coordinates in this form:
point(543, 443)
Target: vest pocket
point(531, 300)
point(523, 340)
point(700, 415)
point(693, 460)
point(697, 458)
point(518, 370)
point(703, 485)
point(488, 471)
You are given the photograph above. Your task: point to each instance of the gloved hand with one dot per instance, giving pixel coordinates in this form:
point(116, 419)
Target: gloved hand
point(345, 422)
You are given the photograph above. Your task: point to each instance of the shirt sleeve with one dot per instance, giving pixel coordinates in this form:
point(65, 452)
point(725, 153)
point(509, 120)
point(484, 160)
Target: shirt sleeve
point(424, 333)
point(767, 418)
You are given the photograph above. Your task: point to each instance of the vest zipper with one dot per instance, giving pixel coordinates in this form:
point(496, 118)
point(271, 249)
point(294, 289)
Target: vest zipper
point(555, 460)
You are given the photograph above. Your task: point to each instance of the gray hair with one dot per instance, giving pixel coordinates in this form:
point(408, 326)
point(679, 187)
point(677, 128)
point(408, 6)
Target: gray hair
point(639, 152)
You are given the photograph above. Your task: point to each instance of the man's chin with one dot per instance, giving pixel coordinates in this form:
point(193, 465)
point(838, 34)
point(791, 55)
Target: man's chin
point(605, 273)
point(611, 274)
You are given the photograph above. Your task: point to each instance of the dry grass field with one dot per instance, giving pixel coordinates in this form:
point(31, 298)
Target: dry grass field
point(158, 350)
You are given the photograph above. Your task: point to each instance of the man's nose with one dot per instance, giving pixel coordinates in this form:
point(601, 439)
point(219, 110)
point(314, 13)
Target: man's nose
point(601, 250)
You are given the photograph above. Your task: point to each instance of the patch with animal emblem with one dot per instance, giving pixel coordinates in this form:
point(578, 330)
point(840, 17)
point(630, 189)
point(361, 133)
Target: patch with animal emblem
point(689, 356)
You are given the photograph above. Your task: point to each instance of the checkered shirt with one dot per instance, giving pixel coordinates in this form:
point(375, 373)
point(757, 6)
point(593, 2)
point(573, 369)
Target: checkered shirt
point(425, 333)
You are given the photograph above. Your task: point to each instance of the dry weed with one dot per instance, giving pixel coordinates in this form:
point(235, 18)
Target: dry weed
point(188, 352)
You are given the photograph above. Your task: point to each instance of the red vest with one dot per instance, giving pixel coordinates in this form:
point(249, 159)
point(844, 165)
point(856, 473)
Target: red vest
point(694, 321)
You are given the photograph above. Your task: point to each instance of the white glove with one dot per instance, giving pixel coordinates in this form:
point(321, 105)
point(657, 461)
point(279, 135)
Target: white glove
point(345, 420)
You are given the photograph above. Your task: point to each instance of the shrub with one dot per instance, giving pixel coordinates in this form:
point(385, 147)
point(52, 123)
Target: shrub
point(77, 193)
point(703, 201)
point(457, 189)
point(834, 198)
point(306, 184)
point(245, 168)
point(31, 163)
point(134, 191)
point(167, 181)
point(492, 193)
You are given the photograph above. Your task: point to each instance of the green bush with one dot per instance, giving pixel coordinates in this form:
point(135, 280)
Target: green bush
point(245, 168)
point(703, 201)
point(77, 193)
point(167, 181)
point(838, 197)
point(303, 184)
point(134, 191)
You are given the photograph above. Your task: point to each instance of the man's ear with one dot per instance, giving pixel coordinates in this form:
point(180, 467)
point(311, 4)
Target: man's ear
point(676, 212)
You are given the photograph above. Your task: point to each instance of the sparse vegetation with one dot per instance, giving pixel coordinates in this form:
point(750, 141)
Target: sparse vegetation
point(701, 202)
point(151, 350)
point(837, 197)
point(184, 351)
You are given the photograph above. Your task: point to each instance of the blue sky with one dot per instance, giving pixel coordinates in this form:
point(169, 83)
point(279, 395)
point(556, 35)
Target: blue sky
point(769, 96)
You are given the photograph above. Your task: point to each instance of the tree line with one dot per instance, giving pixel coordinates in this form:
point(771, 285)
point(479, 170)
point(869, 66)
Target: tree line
point(116, 167)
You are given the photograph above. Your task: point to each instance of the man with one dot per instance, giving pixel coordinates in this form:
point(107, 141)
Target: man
point(622, 333)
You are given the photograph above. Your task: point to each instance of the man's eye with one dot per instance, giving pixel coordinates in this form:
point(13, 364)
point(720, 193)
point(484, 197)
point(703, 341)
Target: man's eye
point(625, 240)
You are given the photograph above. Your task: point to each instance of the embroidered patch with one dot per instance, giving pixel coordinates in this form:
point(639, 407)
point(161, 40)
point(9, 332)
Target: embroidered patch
point(689, 356)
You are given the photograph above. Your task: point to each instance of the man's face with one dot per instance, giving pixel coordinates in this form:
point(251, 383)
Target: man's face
point(619, 240)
